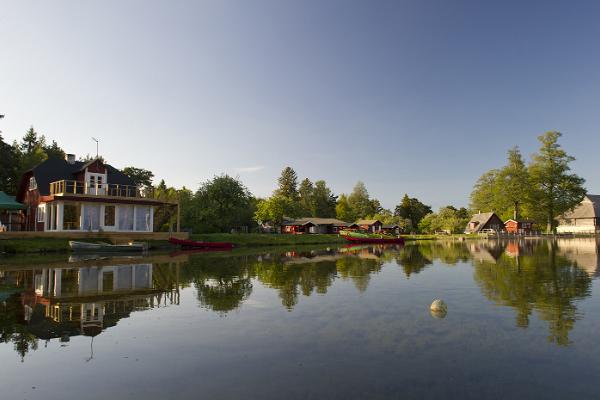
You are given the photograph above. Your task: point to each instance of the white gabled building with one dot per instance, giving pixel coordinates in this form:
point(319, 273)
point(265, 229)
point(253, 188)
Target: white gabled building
point(585, 218)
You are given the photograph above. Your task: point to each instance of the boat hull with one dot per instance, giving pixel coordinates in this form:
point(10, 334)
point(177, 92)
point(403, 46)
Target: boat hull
point(192, 244)
point(105, 247)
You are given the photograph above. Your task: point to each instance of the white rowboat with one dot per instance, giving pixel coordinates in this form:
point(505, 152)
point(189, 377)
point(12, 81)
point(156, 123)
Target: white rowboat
point(88, 247)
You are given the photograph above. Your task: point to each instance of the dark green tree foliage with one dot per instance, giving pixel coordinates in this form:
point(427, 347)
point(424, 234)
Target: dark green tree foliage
point(288, 184)
point(141, 177)
point(343, 211)
point(555, 189)
point(324, 201)
point(9, 178)
point(412, 209)
point(54, 151)
point(219, 205)
point(306, 192)
point(360, 202)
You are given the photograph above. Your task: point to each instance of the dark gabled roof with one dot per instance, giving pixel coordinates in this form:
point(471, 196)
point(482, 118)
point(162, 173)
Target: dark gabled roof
point(367, 221)
point(56, 169)
point(314, 221)
point(481, 219)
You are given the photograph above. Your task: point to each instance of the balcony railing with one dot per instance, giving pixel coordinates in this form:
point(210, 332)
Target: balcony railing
point(99, 189)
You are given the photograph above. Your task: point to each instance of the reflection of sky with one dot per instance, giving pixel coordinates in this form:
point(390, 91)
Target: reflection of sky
point(342, 344)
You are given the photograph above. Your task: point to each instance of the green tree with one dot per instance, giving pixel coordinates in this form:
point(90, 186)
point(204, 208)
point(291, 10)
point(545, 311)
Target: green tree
point(288, 184)
point(275, 208)
point(54, 151)
point(9, 167)
point(220, 205)
point(411, 209)
point(306, 193)
point(483, 197)
point(555, 189)
point(324, 201)
point(141, 177)
point(360, 202)
point(512, 191)
point(343, 211)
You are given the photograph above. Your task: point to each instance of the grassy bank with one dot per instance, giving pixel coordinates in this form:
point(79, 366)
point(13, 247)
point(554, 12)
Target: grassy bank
point(50, 245)
point(257, 239)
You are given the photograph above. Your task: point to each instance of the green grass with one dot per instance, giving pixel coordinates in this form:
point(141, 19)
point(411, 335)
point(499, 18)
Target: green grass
point(258, 239)
point(37, 245)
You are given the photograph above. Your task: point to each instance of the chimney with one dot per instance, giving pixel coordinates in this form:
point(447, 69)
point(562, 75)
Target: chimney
point(70, 158)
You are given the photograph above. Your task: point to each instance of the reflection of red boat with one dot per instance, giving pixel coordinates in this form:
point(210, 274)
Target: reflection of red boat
point(375, 240)
point(357, 237)
point(192, 244)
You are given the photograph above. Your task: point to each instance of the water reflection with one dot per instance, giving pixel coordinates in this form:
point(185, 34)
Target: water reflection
point(87, 296)
point(60, 302)
point(538, 276)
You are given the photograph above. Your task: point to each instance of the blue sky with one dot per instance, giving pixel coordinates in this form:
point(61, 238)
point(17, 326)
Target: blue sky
point(408, 96)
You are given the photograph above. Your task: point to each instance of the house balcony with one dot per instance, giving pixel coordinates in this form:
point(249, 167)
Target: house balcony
point(78, 188)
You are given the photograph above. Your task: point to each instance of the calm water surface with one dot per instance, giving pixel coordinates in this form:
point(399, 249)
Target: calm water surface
point(523, 321)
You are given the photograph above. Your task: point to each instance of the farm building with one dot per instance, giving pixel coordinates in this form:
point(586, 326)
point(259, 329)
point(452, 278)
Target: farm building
point(585, 218)
point(484, 222)
point(521, 227)
point(370, 225)
point(314, 225)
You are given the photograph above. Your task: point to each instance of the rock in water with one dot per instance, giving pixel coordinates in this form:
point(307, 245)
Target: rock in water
point(438, 306)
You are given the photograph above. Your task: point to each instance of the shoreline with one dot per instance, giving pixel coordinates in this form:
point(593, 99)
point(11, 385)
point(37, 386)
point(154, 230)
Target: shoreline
point(247, 240)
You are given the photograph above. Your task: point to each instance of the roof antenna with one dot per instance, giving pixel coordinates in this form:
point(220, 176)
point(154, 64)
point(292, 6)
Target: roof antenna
point(96, 140)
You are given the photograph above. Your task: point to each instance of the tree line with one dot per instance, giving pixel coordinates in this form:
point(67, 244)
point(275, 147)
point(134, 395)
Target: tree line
point(540, 190)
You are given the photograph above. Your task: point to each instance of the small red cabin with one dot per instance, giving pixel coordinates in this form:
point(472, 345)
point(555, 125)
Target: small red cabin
point(518, 226)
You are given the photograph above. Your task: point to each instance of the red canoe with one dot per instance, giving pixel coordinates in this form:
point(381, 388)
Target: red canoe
point(375, 240)
point(192, 244)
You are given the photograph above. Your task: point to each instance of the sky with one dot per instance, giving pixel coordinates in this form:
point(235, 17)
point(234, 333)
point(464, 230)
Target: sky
point(417, 97)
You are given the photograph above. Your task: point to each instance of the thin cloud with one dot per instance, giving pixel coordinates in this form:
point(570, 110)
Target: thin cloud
point(255, 168)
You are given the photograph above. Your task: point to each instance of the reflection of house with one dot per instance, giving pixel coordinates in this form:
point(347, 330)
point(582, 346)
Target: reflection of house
point(584, 253)
point(313, 225)
point(585, 218)
point(520, 227)
point(486, 253)
point(69, 195)
point(370, 225)
point(74, 301)
point(392, 229)
point(482, 222)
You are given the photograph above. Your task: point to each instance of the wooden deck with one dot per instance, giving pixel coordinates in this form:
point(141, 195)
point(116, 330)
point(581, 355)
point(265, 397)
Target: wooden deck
point(112, 236)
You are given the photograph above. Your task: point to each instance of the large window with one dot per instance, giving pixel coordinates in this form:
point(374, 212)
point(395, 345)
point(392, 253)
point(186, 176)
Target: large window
point(125, 218)
point(142, 218)
point(41, 214)
point(109, 215)
point(91, 217)
point(71, 216)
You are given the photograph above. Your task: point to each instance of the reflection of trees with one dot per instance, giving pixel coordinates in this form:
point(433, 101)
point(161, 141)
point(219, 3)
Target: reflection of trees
point(359, 270)
point(291, 280)
point(13, 328)
point(449, 252)
point(412, 260)
point(222, 283)
point(541, 281)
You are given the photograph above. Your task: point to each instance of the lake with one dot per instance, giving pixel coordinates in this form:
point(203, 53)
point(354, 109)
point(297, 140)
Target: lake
point(523, 321)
